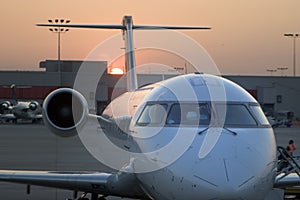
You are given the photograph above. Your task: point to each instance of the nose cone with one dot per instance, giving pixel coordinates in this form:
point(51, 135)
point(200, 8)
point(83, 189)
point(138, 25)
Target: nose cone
point(229, 192)
point(227, 178)
point(238, 168)
point(238, 179)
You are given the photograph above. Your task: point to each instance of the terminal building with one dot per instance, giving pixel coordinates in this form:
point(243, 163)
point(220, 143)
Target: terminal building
point(276, 94)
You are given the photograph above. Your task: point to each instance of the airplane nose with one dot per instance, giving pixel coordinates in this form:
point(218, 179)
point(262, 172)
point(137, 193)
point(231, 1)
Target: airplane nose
point(227, 180)
point(235, 180)
point(235, 170)
point(229, 193)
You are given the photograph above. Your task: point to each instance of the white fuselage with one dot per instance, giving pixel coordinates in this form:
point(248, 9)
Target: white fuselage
point(238, 167)
point(22, 110)
point(238, 163)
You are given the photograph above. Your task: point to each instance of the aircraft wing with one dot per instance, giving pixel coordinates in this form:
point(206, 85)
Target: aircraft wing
point(7, 116)
point(38, 116)
point(119, 184)
point(290, 180)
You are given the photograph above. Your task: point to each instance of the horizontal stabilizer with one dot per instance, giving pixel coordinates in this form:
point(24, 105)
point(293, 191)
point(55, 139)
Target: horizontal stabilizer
point(122, 27)
point(142, 27)
point(96, 26)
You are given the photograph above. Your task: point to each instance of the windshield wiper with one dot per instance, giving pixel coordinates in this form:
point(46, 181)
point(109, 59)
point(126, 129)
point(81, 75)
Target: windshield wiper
point(234, 133)
point(230, 131)
point(203, 131)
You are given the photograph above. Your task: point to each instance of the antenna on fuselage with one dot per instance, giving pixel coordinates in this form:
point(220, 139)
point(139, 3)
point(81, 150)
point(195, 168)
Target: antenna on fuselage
point(127, 27)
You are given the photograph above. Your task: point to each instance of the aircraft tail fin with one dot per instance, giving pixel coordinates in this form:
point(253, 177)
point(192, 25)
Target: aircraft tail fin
point(127, 27)
point(14, 93)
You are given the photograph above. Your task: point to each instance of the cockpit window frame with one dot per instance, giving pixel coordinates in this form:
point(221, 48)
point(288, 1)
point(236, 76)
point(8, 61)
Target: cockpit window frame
point(212, 108)
point(153, 124)
point(243, 104)
point(186, 123)
point(261, 122)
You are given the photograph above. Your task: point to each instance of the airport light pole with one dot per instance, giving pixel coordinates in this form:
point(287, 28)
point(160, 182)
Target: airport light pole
point(282, 69)
point(271, 71)
point(59, 30)
point(294, 36)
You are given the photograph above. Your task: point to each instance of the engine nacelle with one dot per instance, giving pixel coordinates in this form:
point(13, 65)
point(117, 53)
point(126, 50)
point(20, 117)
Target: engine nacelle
point(64, 111)
point(5, 105)
point(33, 105)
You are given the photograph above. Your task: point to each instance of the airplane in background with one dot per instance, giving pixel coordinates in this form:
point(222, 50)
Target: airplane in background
point(20, 110)
point(229, 149)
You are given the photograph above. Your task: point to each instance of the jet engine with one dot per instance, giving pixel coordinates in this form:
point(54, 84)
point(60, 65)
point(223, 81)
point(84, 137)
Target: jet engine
point(5, 105)
point(64, 111)
point(33, 105)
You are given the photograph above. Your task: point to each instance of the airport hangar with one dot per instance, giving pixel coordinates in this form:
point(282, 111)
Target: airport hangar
point(274, 93)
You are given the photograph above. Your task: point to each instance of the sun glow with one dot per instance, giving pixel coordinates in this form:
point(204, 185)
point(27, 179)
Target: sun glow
point(116, 71)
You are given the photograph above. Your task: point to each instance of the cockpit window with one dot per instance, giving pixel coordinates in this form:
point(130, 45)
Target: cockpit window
point(153, 114)
point(235, 115)
point(259, 114)
point(202, 114)
point(189, 114)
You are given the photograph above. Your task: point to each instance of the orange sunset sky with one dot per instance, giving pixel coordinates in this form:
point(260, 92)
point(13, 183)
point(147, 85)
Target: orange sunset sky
point(247, 35)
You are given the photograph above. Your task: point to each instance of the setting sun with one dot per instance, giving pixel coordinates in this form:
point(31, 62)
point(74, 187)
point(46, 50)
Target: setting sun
point(116, 71)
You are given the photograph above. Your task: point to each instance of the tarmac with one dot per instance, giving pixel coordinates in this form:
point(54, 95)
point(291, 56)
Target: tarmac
point(34, 147)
